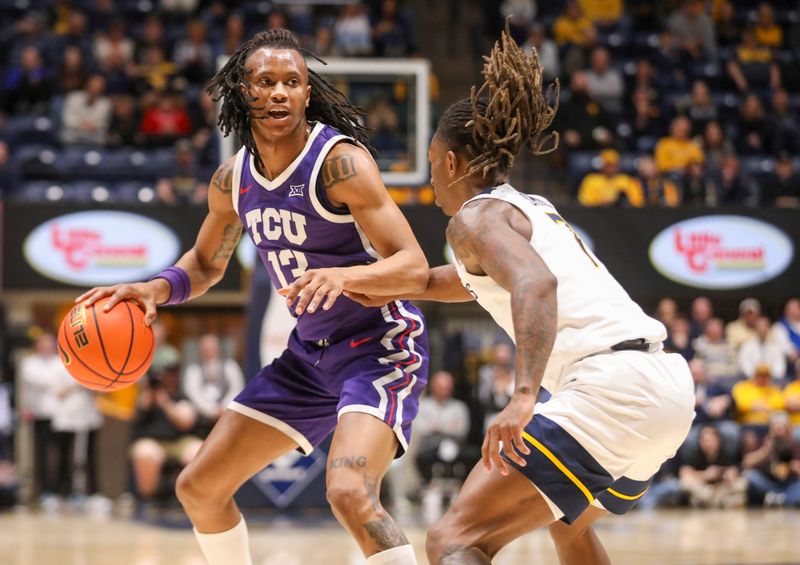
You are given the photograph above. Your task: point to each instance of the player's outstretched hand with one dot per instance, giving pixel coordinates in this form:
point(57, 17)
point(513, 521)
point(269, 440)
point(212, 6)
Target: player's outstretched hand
point(313, 287)
point(507, 429)
point(143, 293)
point(369, 301)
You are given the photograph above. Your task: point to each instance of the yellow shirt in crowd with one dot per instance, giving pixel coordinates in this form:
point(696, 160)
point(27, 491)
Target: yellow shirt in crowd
point(758, 54)
point(598, 189)
point(675, 154)
point(771, 36)
point(567, 30)
point(792, 391)
point(747, 395)
point(119, 404)
point(602, 10)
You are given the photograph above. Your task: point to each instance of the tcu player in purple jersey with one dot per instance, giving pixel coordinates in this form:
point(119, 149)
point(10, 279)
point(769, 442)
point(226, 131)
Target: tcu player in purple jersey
point(310, 196)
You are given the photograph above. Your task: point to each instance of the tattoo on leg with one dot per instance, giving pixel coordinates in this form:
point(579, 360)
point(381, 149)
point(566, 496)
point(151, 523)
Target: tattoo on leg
point(463, 555)
point(383, 530)
point(352, 462)
point(230, 237)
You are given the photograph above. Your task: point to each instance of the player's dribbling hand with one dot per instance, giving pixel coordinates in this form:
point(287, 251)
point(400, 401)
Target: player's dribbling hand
point(143, 293)
point(313, 287)
point(507, 429)
point(368, 300)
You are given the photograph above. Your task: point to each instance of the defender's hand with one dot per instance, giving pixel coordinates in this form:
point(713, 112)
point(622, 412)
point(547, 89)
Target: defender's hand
point(314, 286)
point(507, 428)
point(368, 300)
point(144, 293)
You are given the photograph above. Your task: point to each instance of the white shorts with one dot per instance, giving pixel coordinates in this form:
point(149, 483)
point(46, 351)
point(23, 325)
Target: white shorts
point(601, 437)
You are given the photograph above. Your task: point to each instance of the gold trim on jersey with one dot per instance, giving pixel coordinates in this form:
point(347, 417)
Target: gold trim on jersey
point(561, 467)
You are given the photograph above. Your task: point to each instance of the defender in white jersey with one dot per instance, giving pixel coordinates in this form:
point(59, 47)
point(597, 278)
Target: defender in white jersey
point(611, 406)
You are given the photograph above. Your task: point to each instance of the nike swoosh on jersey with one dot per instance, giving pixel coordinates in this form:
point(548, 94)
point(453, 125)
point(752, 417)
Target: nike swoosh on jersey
point(245, 189)
point(354, 343)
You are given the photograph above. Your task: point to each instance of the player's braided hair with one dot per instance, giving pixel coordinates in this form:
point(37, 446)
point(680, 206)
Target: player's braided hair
point(508, 111)
point(327, 104)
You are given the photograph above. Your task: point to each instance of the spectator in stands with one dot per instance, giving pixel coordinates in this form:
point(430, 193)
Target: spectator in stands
point(710, 476)
point(666, 311)
point(756, 398)
point(547, 50)
point(178, 6)
point(701, 312)
point(193, 55)
point(783, 124)
point(610, 187)
point(583, 123)
point(767, 32)
point(753, 132)
point(604, 14)
point(352, 34)
point(87, 114)
point(123, 130)
point(786, 331)
point(761, 349)
point(715, 146)
point(118, 410)
point(155, 72)
point(782, 188)
point(678, 340)
point(442, 425)
point(743, 328)
point(668, 61)
point(698, 107)
point(772, 466)
point(28, 85)
point(162, 430)
point(713, 401)
point(72, 73)
point(9, 170)
point(753, 65)
point(791, 400)
point(75, 35)
point(646, 117)
point(166, 120)
point(39, 374)
point(185, 184)
point(603, 82)
point(647, 77)
point(384, 124)
point(75, 413)
point(677, 151)
point(151, 35)
point(716, 351)
point(728, 30)
point(203, 116)
point(496, 382)
point(392, 33)
point(211, 383)
point(234, 34)
point(694, 31)
point(656, 189)
point(733, 187)
point(574, 33)
point(698, 188)
point(165, 355)
point(114, 43)
point(520, 14)
point(26, 32)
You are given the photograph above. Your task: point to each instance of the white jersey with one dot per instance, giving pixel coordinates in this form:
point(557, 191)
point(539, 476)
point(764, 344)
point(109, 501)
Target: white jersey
point(594, 311)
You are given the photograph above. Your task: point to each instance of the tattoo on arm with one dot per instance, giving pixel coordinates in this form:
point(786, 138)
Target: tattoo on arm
point(383, 530)
point(338, 169)
point(230, 237)
point(223, 178)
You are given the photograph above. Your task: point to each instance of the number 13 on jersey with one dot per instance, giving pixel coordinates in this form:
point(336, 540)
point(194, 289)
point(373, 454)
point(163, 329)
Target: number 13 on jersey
point(296, 260)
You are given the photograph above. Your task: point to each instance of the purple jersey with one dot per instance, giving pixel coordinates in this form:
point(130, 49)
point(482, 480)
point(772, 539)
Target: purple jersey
point(295, 228)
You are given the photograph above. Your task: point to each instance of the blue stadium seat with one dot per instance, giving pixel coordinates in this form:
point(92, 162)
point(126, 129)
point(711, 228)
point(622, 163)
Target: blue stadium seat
point(44, 191)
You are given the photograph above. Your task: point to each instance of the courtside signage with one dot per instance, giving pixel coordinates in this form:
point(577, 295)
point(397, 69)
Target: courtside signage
point(721, 252)
point(100, 247)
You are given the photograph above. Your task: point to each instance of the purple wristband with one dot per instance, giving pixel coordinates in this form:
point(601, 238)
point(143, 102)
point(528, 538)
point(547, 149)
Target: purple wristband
point(179, 284)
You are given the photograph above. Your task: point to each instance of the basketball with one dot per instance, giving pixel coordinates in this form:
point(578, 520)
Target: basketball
point(105, 351)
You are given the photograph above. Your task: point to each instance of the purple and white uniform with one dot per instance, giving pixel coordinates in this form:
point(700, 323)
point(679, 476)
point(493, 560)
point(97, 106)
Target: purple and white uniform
point(346, 359)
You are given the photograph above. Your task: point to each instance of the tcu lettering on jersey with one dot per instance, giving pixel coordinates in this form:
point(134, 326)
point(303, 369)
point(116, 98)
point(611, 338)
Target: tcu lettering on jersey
point(273, 224)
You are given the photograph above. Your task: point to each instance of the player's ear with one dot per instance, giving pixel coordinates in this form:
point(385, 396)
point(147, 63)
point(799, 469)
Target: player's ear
point(308, 95)
point(452, 164)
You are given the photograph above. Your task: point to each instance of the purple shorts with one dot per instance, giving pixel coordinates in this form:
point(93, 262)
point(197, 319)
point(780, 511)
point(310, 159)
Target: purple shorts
point(379, 367)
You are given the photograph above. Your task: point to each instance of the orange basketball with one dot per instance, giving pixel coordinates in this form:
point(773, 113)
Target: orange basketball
point(105, 350)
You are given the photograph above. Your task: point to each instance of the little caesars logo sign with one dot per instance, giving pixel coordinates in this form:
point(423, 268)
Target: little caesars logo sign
point(721, 252)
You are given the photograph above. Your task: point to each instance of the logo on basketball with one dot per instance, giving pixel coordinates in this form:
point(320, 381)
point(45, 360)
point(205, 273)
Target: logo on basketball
point(100, 247)
point(77, 323)
point(721, 252)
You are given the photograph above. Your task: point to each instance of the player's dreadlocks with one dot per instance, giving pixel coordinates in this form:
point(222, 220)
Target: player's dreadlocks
point(327, 104)
point(508, 111)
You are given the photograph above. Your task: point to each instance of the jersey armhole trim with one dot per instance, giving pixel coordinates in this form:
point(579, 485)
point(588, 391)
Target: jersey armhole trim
point(316, 202)
point(516, 205)
point(236, 181)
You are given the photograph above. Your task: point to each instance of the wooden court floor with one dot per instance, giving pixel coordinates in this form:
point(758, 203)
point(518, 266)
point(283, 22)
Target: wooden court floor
point(681, 537)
